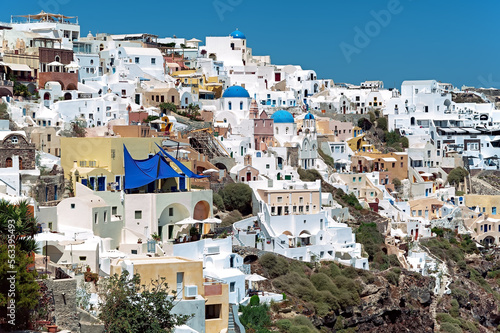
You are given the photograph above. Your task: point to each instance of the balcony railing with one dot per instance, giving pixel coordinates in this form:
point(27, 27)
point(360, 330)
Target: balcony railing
point(6, 83)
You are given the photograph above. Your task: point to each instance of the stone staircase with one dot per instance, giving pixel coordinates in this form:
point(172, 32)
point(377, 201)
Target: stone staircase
point(230, 325)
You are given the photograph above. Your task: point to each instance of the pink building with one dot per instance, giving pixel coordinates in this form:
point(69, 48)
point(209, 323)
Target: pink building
point(263, 131)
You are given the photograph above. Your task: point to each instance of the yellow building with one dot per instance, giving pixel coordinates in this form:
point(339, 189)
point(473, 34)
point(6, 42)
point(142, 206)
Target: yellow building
point(98, 162)
point(487, 204)
point(207, 300)
point(358, 142)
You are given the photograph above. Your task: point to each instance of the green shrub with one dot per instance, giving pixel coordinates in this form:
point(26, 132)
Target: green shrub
point(274, 265)
point(255, 317)
point(237, 196)
point(254, 300)
point(454, 311)
point(392, 278)
point(382, 123)
point(218, 202)
point(450, 328)
point(309, 175)
point(284, 325)
point(301, 320)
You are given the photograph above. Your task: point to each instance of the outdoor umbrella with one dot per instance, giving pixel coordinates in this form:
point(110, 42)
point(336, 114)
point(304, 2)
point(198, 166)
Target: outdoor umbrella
point(49, 237)
point(71, 242)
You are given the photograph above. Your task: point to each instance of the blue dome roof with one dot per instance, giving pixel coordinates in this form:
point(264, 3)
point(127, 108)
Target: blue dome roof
point(238, 34)
point(236, 91)
point(309, 116)
point(282, 116)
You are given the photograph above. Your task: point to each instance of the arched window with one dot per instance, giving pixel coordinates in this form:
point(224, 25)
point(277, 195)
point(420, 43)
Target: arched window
point(225, 120)
point(286, 130)
point(20, 163)
point(277, 131)
point(229, 105)
point(8, 162)
point(241, 105)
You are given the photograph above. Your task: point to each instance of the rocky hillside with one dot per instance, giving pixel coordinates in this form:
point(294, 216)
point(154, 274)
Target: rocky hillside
point(389, 299)
point(486, 183)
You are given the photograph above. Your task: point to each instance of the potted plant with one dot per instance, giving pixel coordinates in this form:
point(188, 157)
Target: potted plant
point(139, 241)
point(156, 237)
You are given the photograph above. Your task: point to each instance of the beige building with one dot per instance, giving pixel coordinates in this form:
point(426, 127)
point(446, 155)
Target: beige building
point(157, 96)
point(207, 300)
point(358, 184)
point(292, 201)
point(487, 204)
point(46, 139)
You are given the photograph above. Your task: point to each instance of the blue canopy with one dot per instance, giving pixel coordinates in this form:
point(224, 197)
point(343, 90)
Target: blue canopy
point(142, 172)
point(181, 166)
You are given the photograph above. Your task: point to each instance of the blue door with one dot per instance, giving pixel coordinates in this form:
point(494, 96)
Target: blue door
point(101, 183)
point(92, 183)
point(85, 181)
point(182, 183)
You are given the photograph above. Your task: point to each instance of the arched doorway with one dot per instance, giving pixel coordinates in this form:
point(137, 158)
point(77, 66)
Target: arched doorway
point(201, 210)
point(71, 86)
point(67, 96)
point(412, 121)
point(167, 229)
point(5, 92)
point(46, 96)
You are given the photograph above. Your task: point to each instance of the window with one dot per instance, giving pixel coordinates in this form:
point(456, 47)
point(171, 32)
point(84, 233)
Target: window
point(241, 105)
point(171, 211)
point(301, 200)
point(279, 199)
point(267, 166)
point(419, 212)
point(212, 311)
point(114, 210)
point(232, 287)
point(105, 217)
point(359, 179)
point(49, 137)
point(82, 258)
point(8, 162)
point(136, 60)
point(229, 105)
point(493, 210)
point(95, 218)
point(153, 61)
point(73, 206)
point(14, 139)
point(413, 212)
point(138, 214)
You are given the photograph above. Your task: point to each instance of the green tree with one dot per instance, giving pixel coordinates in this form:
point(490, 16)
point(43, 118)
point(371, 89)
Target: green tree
point(129, 306)
point(150, 118)
point(382, 123)
point(167, 107)
point(23, 290)
point(237, 196)
point(457, 175)
point(18, 223)
point(218, 202)
point(21, 90)
point(255, 317)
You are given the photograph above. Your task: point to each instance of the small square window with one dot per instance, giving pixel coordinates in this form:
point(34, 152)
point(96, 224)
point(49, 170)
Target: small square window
point(153, 61)
point(171, 211)
point(73, 206)
point(138, 214)
point(114, 210)
point(136, 60)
